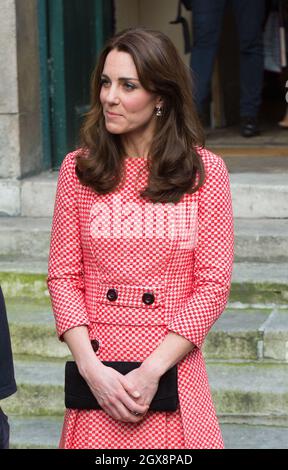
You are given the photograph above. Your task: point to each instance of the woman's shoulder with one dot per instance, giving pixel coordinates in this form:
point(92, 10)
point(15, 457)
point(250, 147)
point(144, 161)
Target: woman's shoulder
point(67, 171)
point(210, 159)
point(70, 158)
point(215, 169)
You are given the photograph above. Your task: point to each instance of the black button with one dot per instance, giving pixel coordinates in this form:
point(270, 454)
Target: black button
point(148, 298)
point(112, 294)
point(95, 345)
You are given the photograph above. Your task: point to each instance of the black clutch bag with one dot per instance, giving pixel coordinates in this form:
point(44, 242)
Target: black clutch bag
point(79, 396)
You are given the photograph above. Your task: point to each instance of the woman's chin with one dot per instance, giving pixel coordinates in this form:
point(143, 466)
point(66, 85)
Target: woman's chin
point(114, 129)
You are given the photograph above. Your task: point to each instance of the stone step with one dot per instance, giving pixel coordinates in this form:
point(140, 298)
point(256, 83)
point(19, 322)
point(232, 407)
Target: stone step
point(257, 195)
point(256, 284)
point(44, 433)
point(253, 284)
point(261, 240)
point(17, 197)
point(241, 436)
point(255, 239)
point(254, 195)
point(238, 334)
point(252, 389)
point(24, 279)
point(40, 387)
point(32, 329)
point(27, 432)
point(25, 237)
point(254, 334)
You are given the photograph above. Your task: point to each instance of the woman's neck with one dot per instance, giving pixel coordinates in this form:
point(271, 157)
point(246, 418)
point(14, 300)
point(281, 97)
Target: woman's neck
point(136, 146)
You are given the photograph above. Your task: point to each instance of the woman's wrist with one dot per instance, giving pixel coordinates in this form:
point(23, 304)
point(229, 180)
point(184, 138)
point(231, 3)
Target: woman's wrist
point(88, 365)
point(172, 350)
point(152, 368)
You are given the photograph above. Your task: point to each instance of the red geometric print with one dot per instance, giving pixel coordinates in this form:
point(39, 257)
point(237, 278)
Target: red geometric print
point(181, 253)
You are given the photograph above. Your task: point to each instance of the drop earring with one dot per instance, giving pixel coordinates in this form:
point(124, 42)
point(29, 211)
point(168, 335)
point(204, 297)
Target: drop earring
point(158, 111)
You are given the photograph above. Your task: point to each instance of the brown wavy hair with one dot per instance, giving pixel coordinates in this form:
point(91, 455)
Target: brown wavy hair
point(173, 160)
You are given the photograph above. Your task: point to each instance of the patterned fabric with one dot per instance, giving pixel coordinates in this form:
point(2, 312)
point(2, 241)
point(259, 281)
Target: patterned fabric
point(180, 253)
point(97, 430)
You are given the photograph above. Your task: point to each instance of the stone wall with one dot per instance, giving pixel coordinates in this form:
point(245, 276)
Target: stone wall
point(20, 124)
point(9, 107)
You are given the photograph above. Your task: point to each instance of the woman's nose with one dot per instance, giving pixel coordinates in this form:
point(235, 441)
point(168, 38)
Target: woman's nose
point(112, 95)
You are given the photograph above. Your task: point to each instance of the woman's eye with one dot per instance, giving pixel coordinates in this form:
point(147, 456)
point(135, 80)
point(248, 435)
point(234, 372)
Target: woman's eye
point(103, 81)
point(129, 86)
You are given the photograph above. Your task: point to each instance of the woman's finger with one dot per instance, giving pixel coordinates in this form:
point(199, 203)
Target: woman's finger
point(132, 390)
point(130, 416)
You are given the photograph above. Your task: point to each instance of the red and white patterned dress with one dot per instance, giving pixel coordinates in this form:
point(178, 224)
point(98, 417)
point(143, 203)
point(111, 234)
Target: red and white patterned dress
point(181, 253)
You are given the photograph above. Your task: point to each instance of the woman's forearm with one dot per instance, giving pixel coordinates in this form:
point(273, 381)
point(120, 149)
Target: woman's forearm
point(112, 391)
point(80, 346)
point(172, 349)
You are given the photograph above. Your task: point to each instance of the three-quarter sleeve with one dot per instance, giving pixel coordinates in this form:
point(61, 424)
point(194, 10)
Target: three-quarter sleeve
point(214, 254)
point(65, 279)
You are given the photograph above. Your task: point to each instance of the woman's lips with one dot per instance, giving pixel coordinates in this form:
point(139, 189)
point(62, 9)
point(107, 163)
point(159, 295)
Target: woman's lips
point(112, 114)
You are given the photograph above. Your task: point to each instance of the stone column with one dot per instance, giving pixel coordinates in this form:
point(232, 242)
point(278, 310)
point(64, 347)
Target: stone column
point(20, 119)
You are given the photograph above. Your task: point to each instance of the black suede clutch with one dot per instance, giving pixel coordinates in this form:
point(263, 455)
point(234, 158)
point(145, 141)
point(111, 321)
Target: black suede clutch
point(79, 396)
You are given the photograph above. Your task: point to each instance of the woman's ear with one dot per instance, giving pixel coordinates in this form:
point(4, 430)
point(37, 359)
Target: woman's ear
point(160, 102)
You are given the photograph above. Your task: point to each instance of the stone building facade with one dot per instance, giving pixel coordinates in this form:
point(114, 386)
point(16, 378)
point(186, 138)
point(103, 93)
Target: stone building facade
point(26, 108)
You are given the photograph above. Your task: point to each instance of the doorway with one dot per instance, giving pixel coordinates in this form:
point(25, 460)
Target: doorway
point(75, 32)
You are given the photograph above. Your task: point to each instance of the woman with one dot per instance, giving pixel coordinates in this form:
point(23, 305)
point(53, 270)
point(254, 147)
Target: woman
point(141, 250)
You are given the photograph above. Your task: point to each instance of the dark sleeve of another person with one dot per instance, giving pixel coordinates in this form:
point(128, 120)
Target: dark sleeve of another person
point(7, 379)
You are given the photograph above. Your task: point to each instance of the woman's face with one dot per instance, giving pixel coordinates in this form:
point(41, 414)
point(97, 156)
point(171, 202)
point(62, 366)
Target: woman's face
point(127, 106)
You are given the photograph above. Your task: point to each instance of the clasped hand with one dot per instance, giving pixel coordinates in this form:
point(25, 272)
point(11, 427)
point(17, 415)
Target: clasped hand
point(117, 393)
